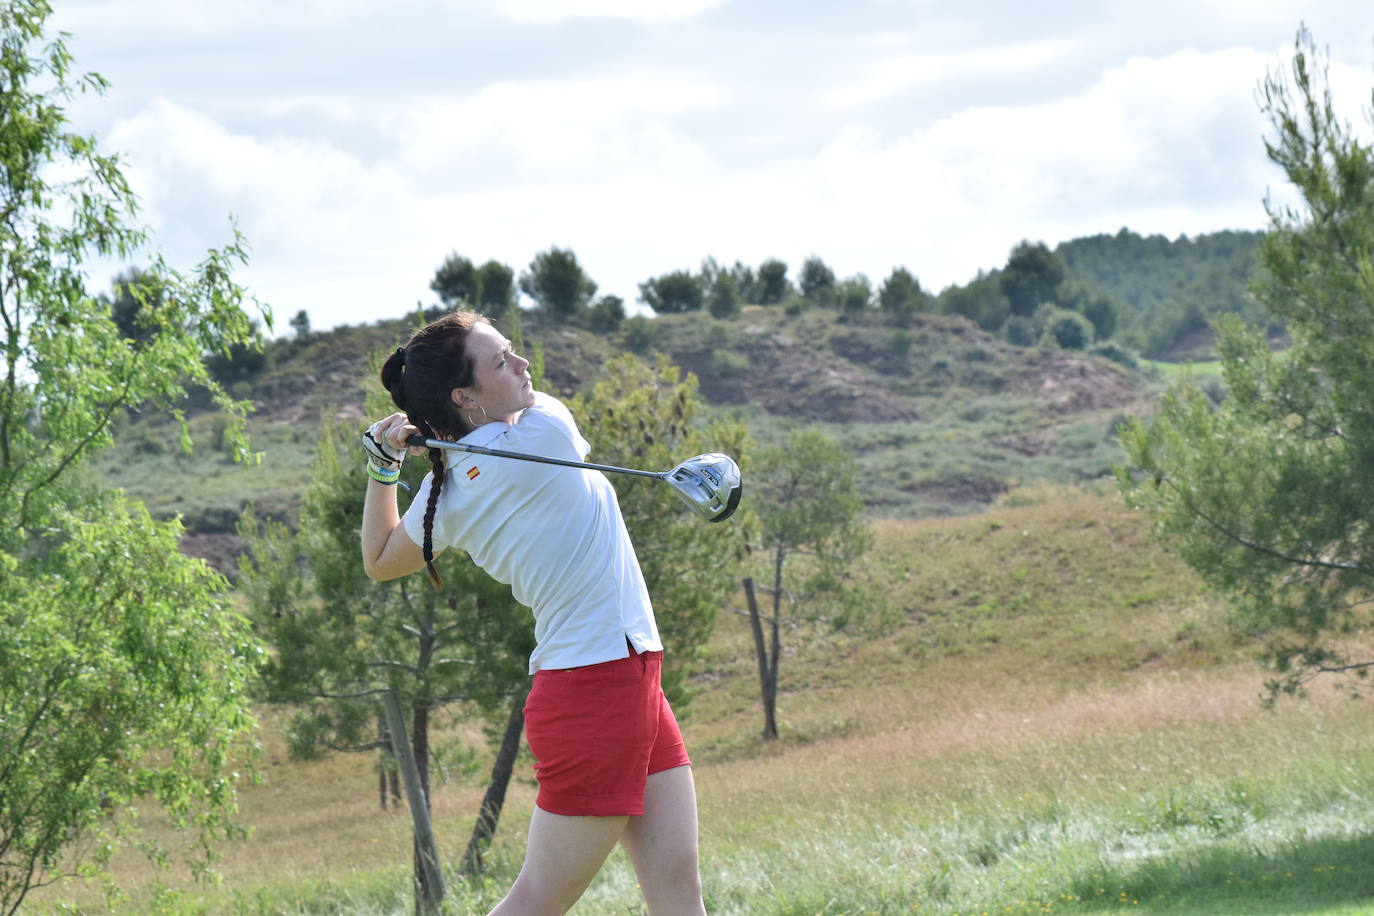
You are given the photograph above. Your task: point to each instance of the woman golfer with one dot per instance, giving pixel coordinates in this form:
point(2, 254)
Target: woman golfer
point(609, 757)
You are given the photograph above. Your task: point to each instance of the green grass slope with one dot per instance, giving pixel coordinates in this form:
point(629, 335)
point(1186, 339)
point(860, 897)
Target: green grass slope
point(1058, 723)
point(942, 417)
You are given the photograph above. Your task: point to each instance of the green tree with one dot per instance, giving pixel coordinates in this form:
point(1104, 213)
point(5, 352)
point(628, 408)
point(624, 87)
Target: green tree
point(496, 288)
point(772, 283)
point(981, 301)
point(746, 283)
point(817, 281)
point(810, 532)
point(646, 416)
point(1020, 331)
point(300, 323)
point(901, 296)
point(1267, 494)
point(130, 290)
point(558, 284)
point(640, 333)
point(606, 314)
point(1101, 310)
point(1032, 277)
point(455, 281)
point(124, 672)
point(1065, 329)
point(342, 643)
point(723, 300)
point(678, 291)
point(854, 295)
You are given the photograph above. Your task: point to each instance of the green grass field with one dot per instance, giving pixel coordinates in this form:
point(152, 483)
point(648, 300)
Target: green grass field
point(1060, 723)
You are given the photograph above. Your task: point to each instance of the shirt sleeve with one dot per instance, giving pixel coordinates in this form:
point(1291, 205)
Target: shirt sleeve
point(414, 519)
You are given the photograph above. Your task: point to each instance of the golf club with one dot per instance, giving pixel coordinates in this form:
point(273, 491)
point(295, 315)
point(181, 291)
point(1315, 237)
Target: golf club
point(709, 484)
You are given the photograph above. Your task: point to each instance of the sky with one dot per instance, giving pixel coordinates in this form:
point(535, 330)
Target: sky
point(356, 143)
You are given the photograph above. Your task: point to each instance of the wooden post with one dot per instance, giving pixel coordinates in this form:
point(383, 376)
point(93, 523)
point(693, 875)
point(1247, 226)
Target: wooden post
point(431, 892)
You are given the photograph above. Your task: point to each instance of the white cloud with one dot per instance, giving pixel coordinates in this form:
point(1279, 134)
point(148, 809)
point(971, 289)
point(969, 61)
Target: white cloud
point(888, 76)
point(145, 20)
point(516, 133)
point(622, 171)
point(547, 11)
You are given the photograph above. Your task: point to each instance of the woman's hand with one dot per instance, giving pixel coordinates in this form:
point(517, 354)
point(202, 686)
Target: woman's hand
point(385, 441)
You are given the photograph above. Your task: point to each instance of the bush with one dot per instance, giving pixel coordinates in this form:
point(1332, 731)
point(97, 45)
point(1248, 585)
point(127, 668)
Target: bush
point(1118, 354)
point(640, 334)
point(1068, 330)
point(724, 299)
point(1019, 331)
point(679, 291)
point(728, 364)
point(606, 314)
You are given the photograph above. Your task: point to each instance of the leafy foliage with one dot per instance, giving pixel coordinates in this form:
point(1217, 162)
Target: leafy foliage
point(455, 281)
point(678, 291)
point(901, 296)
point(606, 314)
point(340, 638)
point(1032, 277)
point(1068, 330)
point(646, 416)
point(810, 532)
point(724, 300)
point(1267, 495)
point(817, 281)
point(557, 283)
point(1167, 290)
point(772, 283)
point(123, 672)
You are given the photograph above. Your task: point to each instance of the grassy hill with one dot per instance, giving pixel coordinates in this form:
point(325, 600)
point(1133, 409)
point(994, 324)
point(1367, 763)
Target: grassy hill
point(1059, 723)
point(942, 416)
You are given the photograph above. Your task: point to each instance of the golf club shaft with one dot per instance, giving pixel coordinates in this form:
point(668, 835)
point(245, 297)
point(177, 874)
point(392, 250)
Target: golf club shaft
point(420, 440)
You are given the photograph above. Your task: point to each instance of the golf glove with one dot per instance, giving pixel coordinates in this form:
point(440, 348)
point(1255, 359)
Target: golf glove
point(379, 452)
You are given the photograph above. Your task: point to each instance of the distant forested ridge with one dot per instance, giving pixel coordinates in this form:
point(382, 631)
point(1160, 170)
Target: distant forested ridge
point(1173, 289)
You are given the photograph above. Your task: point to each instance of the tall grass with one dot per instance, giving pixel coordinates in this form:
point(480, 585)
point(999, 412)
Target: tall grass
point(1059, 724)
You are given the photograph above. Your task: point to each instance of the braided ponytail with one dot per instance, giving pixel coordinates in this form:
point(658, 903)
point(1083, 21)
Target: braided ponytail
point(436, 484)
point(419, 377)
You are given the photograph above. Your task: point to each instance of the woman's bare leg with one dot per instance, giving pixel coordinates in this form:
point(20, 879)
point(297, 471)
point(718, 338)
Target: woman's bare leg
point(662, 844)
point(562, 856)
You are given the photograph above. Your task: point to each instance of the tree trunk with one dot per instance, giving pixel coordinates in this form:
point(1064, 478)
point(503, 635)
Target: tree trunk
point(490, 812)
point(427, 879)
point(768, 682)
point(387, 777)
point(429, 891)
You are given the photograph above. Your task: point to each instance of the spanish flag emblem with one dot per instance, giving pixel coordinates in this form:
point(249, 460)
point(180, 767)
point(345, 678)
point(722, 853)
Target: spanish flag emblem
point(473, 472)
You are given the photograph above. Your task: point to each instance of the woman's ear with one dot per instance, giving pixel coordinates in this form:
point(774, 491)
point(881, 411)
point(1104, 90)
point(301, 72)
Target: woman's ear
point(460, 399)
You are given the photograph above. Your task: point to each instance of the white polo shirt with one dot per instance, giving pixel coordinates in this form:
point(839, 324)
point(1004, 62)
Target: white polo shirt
point(554, 534)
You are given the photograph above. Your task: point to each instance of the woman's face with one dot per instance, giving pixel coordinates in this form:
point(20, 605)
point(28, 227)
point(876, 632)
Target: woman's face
point(501, 383)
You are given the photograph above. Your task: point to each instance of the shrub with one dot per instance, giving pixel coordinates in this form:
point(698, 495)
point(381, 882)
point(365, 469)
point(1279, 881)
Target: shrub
point(1019, 331)
point(1068, 330)
point(728, 364)
point(640, 334)
point(1122, 356)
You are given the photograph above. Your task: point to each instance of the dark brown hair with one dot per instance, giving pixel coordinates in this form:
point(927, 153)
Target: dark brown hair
point(420, 378)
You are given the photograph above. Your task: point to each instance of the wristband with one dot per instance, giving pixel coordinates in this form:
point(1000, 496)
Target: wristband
point(387, 476)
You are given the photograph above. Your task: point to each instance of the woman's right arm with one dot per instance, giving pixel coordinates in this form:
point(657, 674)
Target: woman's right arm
point(388, 551)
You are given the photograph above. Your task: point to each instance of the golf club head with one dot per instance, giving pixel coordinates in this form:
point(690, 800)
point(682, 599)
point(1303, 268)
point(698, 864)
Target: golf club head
point(709, 484)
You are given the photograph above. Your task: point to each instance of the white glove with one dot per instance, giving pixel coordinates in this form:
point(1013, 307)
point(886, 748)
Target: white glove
point(380, 453)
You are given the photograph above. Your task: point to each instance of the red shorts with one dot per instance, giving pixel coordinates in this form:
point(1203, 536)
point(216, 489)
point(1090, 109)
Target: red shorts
point(597, 732)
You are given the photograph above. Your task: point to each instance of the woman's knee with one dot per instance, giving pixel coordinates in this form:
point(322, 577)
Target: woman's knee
point(531, 897)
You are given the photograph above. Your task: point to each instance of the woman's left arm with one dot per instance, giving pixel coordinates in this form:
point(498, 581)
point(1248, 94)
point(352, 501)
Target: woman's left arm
point(388, 551)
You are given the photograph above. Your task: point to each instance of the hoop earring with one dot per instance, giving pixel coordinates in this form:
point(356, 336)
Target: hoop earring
point(485, 418)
